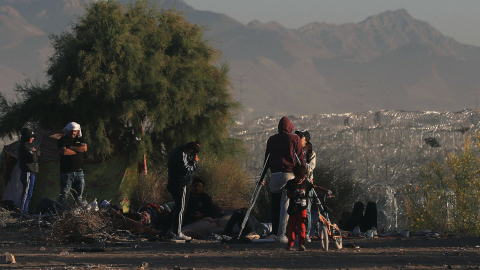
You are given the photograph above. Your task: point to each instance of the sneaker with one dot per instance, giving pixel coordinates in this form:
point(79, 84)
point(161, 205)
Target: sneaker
point(182, 236)
point(356, 231)
point(282, 239)
point(301, 248)
point(307, 239)
point(289, 248)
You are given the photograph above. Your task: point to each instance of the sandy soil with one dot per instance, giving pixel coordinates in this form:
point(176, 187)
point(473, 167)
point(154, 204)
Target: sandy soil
point(137, 252)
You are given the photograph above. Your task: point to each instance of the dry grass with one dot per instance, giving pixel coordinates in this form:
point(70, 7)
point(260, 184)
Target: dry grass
point(4, 217)
point(151, 189)
point(227, 184)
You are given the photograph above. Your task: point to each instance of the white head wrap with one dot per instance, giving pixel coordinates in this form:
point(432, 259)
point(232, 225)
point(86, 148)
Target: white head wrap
point(73, 126)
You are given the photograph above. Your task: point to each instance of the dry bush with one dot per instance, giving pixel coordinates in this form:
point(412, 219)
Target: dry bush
point(447, 194)
point(226, 182)
point(151, 189)
point(338, 179)
point(80, 225)
point(4, 217)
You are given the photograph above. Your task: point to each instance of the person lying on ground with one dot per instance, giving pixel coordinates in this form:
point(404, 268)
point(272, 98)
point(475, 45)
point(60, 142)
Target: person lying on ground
point(297, 190)
point(254, 229)
point(200, 204)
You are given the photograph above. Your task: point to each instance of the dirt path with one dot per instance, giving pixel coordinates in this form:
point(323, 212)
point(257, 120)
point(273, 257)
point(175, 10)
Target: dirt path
point(383, 253)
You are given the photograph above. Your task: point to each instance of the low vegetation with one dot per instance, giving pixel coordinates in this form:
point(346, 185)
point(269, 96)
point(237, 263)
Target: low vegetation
point(338, 179)
point(226, 182)
point(446, 199)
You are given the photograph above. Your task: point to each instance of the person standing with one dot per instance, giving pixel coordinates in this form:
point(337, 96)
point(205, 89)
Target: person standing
point(28, 164)
point(311, 160)
point(71, 148)
point(182, 163)
point(282, 150)
point(297, 190)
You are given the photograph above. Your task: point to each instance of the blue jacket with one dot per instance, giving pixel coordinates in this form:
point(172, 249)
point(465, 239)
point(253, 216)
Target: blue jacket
point(181, 166)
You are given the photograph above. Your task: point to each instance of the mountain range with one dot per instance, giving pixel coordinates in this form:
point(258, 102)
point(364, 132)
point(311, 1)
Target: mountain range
point(388, 61)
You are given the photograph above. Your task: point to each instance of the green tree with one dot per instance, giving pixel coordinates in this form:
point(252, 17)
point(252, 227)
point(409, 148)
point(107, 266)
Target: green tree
point(134, 72)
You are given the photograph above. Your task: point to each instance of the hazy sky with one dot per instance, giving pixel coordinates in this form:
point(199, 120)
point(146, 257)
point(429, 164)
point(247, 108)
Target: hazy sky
point(454, 18)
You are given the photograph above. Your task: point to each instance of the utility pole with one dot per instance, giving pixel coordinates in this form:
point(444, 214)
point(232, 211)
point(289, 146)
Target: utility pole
point(241, 80)
point(476, 99)
point(361, 84)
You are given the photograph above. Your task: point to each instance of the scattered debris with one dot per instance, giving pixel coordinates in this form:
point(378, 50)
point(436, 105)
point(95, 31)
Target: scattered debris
point(92, 249)
point(9, 258)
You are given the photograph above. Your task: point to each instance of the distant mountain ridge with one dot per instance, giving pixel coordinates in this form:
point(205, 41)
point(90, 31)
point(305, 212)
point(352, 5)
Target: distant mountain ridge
point(388, 61)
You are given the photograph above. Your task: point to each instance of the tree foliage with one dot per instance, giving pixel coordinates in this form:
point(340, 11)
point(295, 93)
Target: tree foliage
point(135, 72)
point(447, 195)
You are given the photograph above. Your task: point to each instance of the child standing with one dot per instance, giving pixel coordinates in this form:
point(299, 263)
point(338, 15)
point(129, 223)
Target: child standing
point(297, 190)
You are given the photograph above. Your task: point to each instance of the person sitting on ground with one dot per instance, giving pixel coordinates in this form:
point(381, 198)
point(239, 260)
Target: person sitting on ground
point(254, 229)
point(370, 217)
point(199, 205)
point(297, 190)
point(365, 221)
point(356, 218)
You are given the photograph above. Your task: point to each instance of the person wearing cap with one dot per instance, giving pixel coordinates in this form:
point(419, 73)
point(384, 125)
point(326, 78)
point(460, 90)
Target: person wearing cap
point(28, 164)
point(71, 148)
point(310, 162)
point(282, 151)
point(182, 163)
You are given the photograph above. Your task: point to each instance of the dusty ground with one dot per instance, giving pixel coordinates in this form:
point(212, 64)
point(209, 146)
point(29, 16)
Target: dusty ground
point(134, 253)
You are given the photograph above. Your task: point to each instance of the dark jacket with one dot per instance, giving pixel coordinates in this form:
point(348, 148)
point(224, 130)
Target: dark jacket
point(27, 157)
point(181, 166)
point(204, 205)
point(282, 148)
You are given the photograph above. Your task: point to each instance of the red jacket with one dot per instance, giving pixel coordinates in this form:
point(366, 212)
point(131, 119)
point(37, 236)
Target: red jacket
point(282, 147)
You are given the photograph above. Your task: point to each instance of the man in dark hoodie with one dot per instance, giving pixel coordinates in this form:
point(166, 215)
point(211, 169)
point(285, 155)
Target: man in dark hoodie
point(283, 148)
point(28, 164)
point(182, 163)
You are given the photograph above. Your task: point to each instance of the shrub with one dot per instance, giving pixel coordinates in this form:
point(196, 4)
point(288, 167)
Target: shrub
point(226, 182)
point(4, 217)
point(447, 195)
point(151, 188)
point(338, 179)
